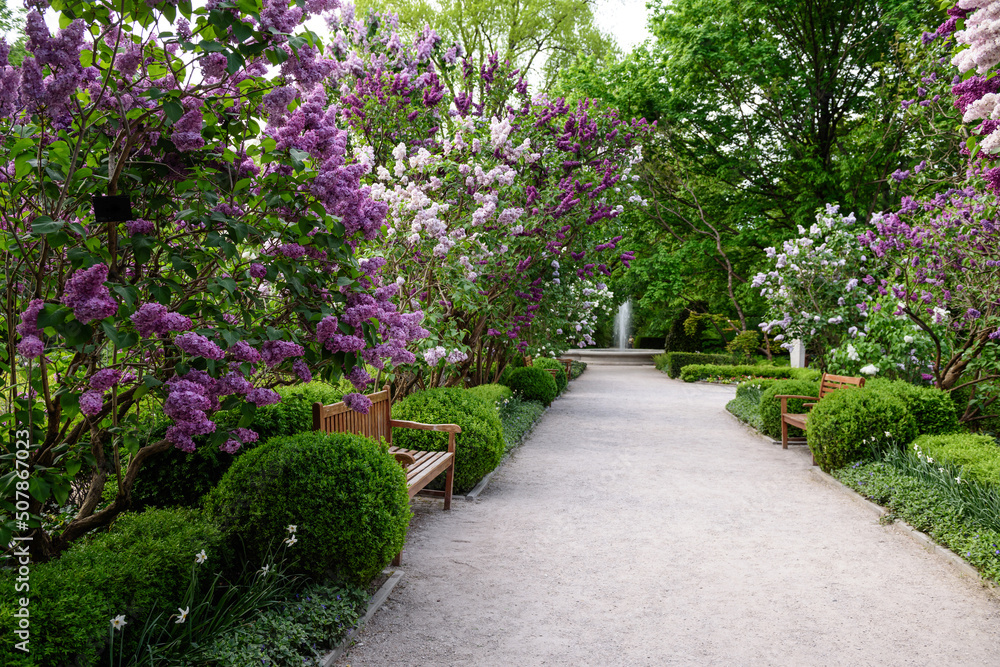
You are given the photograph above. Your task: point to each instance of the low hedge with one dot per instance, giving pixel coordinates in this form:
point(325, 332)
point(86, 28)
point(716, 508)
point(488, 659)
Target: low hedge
point(531, 384)
point(345, 493)
point(979, 455)
point(932, 408)
point(143, 563)
point(672, 362)
point(547, 363)
point(178, 479)
point(478, 448)
point(840, 424)
point(491, 394)
point(695, 372)
point(770, 407)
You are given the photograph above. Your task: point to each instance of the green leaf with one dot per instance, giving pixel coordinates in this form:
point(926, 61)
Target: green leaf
point(75, 333)
point(151, 381)
point(52, 315)
point(39, 489)
point(43, 224)
point(173, 111)
point(73, 466)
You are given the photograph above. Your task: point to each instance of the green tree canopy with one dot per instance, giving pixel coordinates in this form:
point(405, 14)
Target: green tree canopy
point(538, 36)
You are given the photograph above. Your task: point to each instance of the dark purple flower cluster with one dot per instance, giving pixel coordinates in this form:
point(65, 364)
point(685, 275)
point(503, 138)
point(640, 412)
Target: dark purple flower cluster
point(105, 378)
point(154, 318)
point(31, 345)
point(198, 346)
point(358, 402)
point(87, 295)
point(140, 226)
point(276, 351)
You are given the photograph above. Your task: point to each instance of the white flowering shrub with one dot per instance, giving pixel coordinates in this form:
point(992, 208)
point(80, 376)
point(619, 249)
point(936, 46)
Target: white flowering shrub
point(813, 287)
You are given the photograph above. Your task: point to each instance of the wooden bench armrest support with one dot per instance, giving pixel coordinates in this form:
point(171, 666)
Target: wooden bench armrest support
point(450, 429)
point(404, 459)
point(793, 396)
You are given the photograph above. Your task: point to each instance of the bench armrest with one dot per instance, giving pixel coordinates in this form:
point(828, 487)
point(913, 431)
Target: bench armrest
point(784, 401)
point(450, 429)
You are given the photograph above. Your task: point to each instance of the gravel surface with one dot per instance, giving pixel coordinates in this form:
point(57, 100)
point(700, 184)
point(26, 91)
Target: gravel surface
point(642, 525)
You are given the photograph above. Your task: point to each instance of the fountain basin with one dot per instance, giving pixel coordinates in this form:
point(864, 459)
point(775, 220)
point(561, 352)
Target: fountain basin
point(613, 356)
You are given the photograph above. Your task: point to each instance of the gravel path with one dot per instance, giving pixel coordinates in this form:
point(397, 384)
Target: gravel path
point(642, 525)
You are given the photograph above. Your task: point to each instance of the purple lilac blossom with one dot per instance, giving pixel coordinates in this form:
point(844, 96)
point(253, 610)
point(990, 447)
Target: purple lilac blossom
point(358, 402)
point(199, 346)
point(105, 378)
point(91, 403)
point(154, 318)
point(87, 295)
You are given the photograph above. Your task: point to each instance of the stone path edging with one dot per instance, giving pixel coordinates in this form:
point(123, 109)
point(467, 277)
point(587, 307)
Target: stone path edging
point(373, 606)
point(923, 539)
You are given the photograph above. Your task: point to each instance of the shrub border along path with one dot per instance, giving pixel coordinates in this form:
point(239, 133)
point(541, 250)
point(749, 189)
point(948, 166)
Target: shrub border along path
point(924, 540)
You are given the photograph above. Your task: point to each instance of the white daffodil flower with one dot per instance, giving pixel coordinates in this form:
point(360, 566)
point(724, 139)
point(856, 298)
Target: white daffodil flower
point(118, 622)
point(182, 616)
point(291, 541)
point(200, 557)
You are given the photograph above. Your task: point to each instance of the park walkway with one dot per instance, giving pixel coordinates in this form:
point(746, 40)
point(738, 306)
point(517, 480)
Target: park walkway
point(640, 524)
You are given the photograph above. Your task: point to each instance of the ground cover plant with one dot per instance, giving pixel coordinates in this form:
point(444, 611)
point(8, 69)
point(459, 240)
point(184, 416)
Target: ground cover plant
point(746, 405)
point(298, 630)
point(518, 417)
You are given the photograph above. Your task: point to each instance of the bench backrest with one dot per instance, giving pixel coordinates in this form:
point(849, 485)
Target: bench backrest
point(831, 383)
point(338, 418)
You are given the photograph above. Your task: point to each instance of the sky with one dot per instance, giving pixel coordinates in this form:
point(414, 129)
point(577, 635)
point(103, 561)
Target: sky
point(625, 20)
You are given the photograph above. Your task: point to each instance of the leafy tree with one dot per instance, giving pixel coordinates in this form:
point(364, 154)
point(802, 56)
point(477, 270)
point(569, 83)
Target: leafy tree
point(765, 111)
point(538, 36)
point(12, 23)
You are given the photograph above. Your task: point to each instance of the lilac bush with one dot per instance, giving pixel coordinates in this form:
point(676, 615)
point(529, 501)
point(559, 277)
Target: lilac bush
point(236, 270)
point(498, 202)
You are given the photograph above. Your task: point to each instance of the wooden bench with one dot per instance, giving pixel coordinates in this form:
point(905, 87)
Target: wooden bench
point(421, 467)
point(828, 384)
point(568, 364)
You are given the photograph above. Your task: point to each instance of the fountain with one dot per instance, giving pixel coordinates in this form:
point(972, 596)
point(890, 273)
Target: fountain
point(623, 325)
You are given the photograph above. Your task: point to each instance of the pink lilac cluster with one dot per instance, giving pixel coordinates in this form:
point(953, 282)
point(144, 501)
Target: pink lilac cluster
point(87, 295)
point(31, 345)
point(154, 318)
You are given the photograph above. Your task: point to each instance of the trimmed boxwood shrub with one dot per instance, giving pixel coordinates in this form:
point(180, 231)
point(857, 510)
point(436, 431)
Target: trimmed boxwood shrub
point(770, 407)
point(142, 563)
point(344, 492)
point(177, 479)
point(673, 362)
point(478, 448)
point(531, 384)
point(978, 455)
point(491, 394)
point(932, 408)
point(840, 423)
point(695, 372)
point(546, 363)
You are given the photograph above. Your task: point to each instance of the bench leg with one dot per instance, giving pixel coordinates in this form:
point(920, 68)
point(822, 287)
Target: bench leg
point(449, 479)
point(398, 560)
point(784, 434)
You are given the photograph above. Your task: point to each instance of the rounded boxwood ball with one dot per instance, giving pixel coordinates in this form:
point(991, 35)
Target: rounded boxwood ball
point(840, 424)
point(770, 407)
point(547, 363)
point(345, 493)
point(532, 384)
point(478, 448)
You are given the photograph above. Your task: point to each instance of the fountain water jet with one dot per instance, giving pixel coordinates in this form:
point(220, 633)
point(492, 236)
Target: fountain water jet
point(623, 325)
